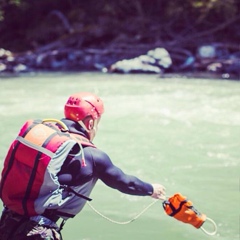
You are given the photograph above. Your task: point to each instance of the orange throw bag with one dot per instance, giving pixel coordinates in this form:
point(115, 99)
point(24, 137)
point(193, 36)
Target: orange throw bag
point(182, 209)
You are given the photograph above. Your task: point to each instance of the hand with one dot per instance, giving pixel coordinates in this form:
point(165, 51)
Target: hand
point(158, 191)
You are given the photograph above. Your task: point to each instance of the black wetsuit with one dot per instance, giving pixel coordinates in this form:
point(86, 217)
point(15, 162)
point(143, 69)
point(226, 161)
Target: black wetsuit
point(98, 165)
point(81, 174)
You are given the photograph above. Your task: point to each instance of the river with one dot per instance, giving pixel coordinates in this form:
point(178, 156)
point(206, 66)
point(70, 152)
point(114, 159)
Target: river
point(181, 131)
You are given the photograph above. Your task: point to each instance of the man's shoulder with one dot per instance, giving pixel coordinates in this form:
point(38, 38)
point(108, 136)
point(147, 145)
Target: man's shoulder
point(97, 155)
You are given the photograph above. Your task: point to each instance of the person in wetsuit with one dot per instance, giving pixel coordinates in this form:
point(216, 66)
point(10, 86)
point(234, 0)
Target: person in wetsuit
point(82, 115)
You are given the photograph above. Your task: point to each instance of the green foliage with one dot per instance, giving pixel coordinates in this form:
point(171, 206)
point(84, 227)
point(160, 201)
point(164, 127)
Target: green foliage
point(28, 23)
point(215, 7)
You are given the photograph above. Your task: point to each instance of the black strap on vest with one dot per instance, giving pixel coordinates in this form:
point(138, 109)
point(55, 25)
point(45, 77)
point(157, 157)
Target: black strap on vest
point(69, 189)
point(174, 210)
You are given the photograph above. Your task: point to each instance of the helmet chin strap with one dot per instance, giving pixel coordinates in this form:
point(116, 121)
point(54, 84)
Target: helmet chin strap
point(89, 131)
point(83, 126)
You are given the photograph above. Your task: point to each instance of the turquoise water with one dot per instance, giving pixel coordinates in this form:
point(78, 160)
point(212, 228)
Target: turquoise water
point(181, 132)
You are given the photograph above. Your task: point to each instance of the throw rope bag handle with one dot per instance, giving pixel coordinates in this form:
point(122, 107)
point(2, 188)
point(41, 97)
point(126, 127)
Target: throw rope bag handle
point(214, 227)
point(183, 210)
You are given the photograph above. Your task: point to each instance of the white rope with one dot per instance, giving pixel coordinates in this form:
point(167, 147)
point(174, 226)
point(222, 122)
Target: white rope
point(125, 222)
point(143, 211)
point(214, 228)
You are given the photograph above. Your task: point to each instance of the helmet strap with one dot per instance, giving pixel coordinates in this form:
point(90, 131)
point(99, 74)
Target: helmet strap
point(94, 126)
point(83, 126)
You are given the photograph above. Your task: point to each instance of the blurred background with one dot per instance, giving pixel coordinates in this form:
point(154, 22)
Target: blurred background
point(72, 35)
point(26, 24)
point(168, 72)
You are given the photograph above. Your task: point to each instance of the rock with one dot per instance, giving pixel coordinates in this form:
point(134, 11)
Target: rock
point(155, 61)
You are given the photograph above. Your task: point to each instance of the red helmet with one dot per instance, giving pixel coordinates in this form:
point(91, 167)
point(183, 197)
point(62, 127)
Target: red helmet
point(83, 104)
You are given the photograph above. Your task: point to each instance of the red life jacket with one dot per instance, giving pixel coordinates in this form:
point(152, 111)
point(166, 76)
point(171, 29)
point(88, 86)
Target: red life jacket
point(29, 183)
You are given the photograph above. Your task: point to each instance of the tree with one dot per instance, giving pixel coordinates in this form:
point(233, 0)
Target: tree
point(25, 24)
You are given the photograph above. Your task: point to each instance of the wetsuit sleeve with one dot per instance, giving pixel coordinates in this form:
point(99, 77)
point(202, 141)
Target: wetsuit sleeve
point(115, 178)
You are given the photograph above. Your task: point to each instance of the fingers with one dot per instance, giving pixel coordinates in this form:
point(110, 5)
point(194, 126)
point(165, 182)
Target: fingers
point(159, 191)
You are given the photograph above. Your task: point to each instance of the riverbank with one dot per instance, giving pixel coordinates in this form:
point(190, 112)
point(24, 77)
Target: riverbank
point(208, 61)
point(180, 75)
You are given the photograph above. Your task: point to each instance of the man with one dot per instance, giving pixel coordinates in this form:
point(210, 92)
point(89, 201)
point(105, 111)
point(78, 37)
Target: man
point(80, 171)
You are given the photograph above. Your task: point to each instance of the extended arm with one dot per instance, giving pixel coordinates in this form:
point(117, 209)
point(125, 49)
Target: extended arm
point(114, 177)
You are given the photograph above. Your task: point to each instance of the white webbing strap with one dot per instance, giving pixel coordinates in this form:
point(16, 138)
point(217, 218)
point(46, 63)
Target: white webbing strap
point(35, 146)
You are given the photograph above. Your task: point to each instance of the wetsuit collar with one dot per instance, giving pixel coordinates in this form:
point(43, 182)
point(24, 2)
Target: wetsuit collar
point(75, 127)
